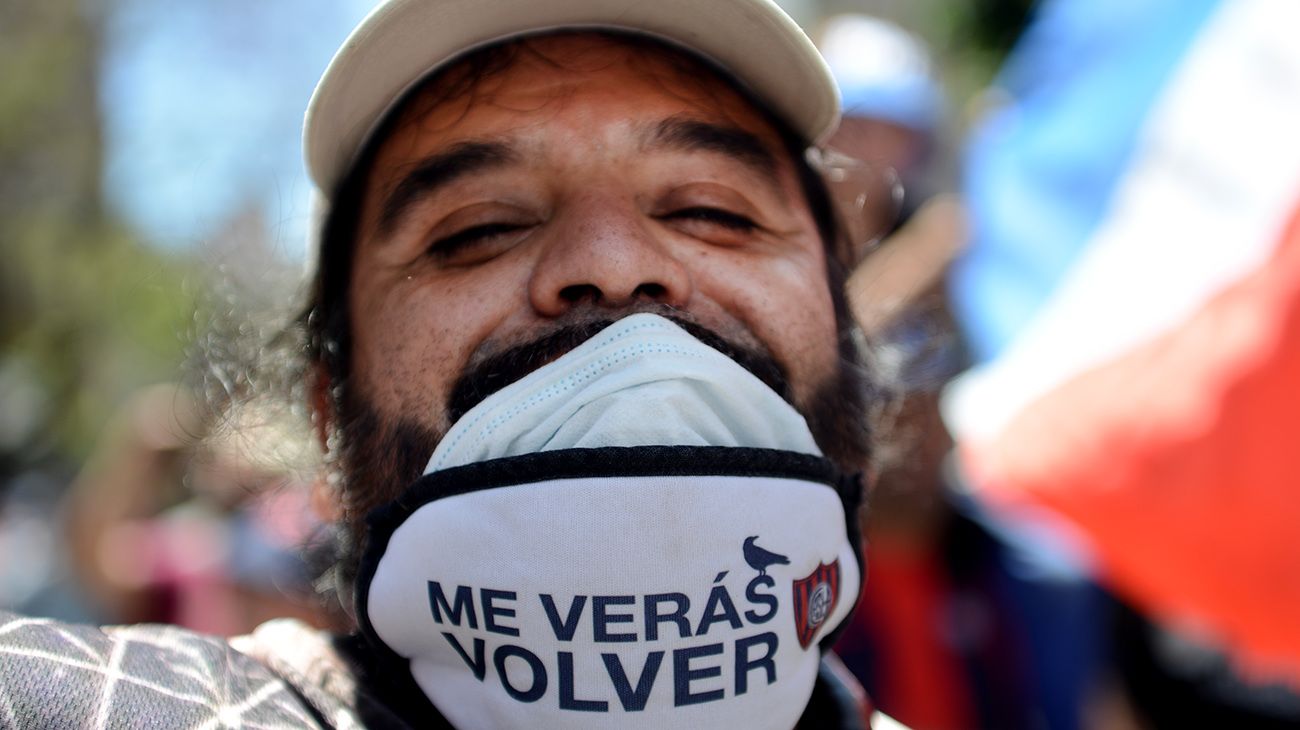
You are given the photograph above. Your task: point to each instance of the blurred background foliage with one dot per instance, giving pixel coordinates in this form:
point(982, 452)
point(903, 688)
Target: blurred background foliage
point(88, 311)
point(969, 38)
point(94, 306)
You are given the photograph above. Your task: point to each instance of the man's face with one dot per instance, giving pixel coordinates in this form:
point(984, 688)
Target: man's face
point(586, 179)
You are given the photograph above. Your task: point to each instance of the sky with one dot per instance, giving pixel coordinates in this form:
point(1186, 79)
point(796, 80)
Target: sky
point(203, 104)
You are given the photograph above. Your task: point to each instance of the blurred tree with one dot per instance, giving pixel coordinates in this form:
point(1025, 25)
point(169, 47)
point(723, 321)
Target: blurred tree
point(979, 34)
point(995, 25)
point(87, 313)
point(969, 38)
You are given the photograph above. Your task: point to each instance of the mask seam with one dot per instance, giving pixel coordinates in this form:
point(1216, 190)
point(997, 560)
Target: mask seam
point(583, 376)
point(598, 344)
point(565, 385)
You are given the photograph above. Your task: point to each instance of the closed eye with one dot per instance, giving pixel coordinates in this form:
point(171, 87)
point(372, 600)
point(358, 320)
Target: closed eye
point(716, 216)
point(463, 240)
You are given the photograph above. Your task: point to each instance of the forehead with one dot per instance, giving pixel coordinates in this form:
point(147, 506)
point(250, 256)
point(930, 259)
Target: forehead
point(514, 85)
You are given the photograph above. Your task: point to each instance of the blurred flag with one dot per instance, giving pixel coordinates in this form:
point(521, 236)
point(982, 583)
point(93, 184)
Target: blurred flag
point(1132, 298)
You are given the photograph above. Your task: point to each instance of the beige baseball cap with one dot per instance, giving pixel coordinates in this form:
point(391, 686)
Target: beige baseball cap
point(401, 42)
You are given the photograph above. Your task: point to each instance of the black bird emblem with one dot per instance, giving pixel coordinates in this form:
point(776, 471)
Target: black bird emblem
point(760, 559)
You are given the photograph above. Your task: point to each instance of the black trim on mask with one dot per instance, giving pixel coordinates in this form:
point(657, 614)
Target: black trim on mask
point(609, 461)
point(852, 491)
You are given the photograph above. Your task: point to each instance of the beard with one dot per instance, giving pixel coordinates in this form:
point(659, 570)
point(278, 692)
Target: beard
point(379, 456)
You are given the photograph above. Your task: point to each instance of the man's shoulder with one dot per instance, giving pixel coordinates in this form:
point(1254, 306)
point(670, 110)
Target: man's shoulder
point(54, 674)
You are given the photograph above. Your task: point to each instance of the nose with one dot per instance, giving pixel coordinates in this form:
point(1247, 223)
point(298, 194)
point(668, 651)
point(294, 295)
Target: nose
point(604, 252)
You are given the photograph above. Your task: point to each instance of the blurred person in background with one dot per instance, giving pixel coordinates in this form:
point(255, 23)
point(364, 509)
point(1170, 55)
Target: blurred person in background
point(894, 112)
point(1131, 296)
point(951, 633)
point(35, 572)
point(194, 519)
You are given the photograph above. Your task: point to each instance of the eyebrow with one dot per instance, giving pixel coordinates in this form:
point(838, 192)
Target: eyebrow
point(691, 135)
point(677, 133)
point(438, 171)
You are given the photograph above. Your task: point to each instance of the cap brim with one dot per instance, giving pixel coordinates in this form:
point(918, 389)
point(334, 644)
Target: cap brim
point(402, 41)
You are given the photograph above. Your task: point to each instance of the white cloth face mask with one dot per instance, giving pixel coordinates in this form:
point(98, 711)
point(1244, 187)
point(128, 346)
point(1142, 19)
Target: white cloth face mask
point(616, 566)
point(641, 381)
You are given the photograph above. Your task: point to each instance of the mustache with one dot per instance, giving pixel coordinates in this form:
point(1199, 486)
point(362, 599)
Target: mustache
point(501, 369)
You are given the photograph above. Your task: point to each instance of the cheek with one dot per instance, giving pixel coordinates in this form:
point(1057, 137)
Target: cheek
point(412, 338)
point(785, 301)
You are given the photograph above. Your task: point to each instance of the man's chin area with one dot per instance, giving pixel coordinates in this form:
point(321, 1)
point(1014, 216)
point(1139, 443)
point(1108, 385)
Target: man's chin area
point(380, 456)
point(839, 416)
point(489, 372)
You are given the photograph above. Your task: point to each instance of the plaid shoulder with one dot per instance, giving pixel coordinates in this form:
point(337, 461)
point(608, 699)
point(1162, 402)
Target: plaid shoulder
point(54, 674)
